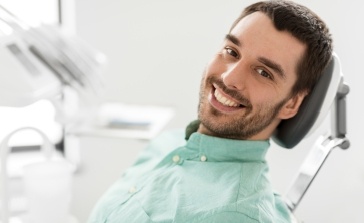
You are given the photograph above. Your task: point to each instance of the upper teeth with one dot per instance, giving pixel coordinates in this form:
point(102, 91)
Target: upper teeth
point(223, 100)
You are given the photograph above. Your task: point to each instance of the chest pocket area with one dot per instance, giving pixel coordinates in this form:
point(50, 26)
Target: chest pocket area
point(129, 211)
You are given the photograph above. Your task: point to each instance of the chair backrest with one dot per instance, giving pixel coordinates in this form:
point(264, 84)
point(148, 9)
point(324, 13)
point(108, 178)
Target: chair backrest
point(328, 94)
point(314, 108)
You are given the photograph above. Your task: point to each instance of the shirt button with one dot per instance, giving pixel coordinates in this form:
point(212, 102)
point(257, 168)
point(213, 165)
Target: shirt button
point(176, 158)
point(132, 190)
point(203, 158)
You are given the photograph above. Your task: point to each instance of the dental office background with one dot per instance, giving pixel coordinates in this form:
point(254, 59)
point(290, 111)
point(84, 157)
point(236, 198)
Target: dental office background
point(156, 52)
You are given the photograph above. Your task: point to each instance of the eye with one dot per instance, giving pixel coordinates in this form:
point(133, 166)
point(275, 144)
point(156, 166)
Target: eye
point(231, 52)
point(264, 73)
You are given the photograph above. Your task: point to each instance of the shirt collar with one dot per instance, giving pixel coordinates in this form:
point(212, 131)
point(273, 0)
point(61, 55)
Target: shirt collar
point(231, 150)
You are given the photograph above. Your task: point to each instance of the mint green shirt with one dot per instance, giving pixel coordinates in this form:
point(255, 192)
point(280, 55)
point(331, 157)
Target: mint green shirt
point(205, 179)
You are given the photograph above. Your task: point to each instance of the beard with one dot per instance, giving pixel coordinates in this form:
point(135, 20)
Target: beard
point(242, 126)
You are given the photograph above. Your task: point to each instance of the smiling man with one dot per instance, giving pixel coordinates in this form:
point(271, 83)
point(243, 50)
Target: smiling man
point(270, 60)
point(247, 87)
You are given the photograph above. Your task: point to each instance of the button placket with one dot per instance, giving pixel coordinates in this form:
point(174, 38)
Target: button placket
point(132, 190)
point(176, 158)
point(203, 158)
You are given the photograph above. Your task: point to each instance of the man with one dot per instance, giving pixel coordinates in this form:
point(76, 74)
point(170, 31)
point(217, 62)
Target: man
point(269, 61)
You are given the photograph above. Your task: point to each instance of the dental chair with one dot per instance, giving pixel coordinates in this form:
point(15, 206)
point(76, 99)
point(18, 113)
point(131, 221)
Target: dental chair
point(328, 95)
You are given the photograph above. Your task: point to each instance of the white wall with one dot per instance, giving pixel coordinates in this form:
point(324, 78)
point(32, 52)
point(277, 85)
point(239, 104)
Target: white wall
point(157, 50)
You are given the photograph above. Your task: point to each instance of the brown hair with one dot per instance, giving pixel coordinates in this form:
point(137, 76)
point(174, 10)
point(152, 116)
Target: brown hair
point(307, 27)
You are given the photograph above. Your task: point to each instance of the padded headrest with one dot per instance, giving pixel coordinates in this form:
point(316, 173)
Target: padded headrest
point(313, 109)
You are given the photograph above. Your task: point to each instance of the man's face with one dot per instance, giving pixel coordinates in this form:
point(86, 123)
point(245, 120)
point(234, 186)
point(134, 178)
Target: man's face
point(245, 91)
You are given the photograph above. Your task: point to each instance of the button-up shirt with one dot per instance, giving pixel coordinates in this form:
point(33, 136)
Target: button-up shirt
point(204, 179)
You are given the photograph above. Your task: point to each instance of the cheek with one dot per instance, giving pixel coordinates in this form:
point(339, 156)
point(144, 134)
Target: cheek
point(262, 96)
point(215, 66)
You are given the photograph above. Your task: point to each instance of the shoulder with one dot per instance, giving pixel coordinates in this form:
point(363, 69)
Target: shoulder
point(238, 217)
point(229, 216)
point(167, 141)
point(172, 136)
point(160, 146)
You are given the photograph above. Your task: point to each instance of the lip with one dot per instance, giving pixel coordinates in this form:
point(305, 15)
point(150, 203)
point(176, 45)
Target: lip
point(219, 106)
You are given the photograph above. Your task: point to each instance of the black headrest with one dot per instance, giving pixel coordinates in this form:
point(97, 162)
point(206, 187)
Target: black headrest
point(291, 131)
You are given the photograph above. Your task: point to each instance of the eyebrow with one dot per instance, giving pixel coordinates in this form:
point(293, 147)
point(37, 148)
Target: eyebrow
point(273, 65)
point(233, 39)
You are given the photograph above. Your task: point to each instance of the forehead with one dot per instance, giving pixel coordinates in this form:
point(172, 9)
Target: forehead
point(259, 38)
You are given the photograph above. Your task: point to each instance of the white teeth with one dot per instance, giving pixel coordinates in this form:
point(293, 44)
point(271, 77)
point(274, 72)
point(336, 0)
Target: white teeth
point(223, 100)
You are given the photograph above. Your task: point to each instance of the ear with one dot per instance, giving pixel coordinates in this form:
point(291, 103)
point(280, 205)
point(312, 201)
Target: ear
point(290, 108)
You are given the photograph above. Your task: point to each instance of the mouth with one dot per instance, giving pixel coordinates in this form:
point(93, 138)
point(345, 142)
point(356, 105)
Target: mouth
point(222, 101)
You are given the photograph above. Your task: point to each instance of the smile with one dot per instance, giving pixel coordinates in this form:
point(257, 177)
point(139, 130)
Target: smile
point(223, 100)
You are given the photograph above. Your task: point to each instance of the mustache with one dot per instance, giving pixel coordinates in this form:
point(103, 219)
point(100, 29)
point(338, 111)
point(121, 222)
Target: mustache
point(231, 92)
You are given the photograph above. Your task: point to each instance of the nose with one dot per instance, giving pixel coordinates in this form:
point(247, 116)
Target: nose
point(235, 75)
